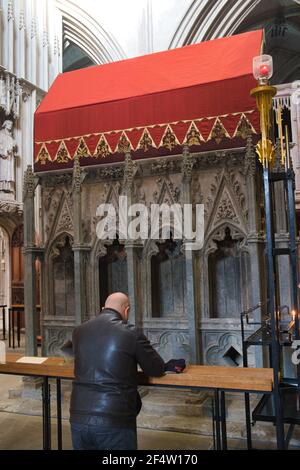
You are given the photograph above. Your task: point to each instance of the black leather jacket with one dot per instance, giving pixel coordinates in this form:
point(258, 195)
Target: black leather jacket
point(107, 352)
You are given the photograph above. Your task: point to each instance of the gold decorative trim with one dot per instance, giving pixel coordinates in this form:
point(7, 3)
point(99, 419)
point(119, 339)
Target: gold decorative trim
point(62, 155)
point(193, 136)
point(82, 149)
point(102, 148)
point(122, 143)
point(146, 142)
point(244, 128)
point(150, 126)
point(169, 139)
point(43, 156)
point(218, 132)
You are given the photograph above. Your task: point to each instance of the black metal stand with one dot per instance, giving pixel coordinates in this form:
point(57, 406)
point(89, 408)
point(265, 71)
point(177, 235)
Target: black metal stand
point(59, 415)
point(46, 415)
point(273, 308)
point(219, 420)
point(273, 408)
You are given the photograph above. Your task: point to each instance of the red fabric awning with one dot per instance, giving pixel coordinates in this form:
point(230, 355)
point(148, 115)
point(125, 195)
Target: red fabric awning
point(152, 105)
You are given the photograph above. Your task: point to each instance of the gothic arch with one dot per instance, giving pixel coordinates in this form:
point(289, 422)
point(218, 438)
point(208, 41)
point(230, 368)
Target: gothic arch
point(84, 31)
point(211, 19)
point(227, 207)
point(99, 251)
point(218, 233)
point(227, 243)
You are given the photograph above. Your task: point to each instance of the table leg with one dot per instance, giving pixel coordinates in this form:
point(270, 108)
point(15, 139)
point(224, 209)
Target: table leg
point(213, 422)
point(9, 327)
point(18, 327)
point(217, 410)
point(46, 415)
point(248, 421)
point(223, 421)
point(59, 417)
point(13, 328)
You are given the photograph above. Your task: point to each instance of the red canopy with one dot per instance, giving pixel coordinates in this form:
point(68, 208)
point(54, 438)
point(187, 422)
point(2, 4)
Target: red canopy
point(152, 105)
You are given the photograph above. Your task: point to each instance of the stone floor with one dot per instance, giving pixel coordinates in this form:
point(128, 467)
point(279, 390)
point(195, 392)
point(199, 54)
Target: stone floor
point(25, 432)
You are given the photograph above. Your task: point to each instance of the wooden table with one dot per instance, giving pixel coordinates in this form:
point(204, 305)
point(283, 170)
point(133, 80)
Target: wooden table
point(216, 378)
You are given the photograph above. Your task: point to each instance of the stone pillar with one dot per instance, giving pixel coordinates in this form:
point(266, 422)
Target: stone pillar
point(132, 246)
point(29, 263)
point(79, 248)
point(191, 307)
point(134, 282)
point(255, 239)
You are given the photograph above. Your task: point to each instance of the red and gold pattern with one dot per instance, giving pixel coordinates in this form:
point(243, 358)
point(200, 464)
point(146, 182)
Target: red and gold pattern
point(167, 138)
point(62, 155)
point(102, 149)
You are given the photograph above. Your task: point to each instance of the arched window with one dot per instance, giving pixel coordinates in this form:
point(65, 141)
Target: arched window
point(75, 58)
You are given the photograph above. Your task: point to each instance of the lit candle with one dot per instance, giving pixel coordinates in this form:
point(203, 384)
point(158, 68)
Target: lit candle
point(293, 315)
point(264, 70)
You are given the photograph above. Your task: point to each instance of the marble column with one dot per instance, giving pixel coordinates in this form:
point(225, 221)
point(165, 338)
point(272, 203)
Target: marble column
point(29, 263)
point(134, 282)
point(191, 308)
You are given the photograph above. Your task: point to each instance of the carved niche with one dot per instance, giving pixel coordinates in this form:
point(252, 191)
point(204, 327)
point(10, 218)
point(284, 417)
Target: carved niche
point(112, 269)
point(228, 273)
point(168, 280)
point(61, 275)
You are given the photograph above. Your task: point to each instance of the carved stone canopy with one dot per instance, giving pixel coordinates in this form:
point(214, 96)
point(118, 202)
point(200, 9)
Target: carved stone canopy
point(11, 208)
point(225, 233)
point(64, 241)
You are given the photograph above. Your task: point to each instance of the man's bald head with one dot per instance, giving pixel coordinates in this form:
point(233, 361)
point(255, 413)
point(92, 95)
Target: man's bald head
point(120, 302)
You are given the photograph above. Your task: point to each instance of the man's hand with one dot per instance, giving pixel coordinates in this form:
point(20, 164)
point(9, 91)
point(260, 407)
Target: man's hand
point(175, 365)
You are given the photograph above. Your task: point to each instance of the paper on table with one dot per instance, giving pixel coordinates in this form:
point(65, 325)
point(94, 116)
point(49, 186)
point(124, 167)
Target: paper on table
point(32, 360)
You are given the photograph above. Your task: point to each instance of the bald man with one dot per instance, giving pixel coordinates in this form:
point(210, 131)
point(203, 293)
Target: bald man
point(105, 401)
